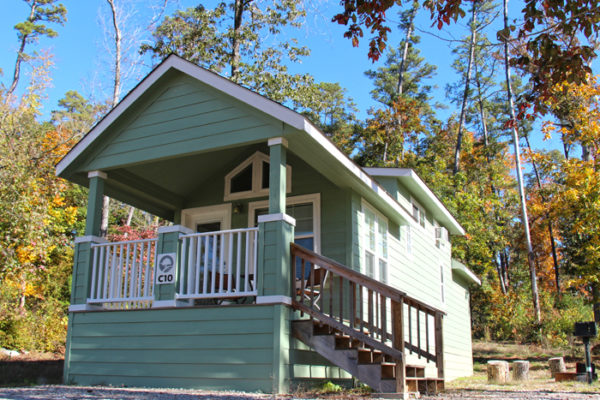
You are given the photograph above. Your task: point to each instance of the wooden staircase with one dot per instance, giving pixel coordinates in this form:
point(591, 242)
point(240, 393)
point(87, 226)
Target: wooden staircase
point(357, 324)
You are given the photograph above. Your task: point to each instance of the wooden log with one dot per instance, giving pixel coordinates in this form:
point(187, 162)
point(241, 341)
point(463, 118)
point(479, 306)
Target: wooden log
point(520, 370)
point(556, 364)
point(497, 371)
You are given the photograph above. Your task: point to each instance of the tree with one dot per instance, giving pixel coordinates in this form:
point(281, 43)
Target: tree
point(233, 35)
point(560, 36)
point(30, 31)
point(515, 136)
point(576, 202)
point(39, 214)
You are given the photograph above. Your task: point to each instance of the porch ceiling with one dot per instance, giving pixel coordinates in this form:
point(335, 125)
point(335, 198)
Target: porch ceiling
point(162, 187)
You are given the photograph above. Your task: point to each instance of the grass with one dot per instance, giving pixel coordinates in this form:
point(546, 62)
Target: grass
point(539, 374)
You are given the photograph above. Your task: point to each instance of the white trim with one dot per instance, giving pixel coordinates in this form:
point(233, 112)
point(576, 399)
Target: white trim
point(377, 257)
point(98, 174)
point(90, 238)
point(274, 300)
point(84, 307)
point(164, 303)
point(412, 175)
point(278, 140)
point(256, 190)
point(190, 217)
point(314, 198)
point(277, 217)
point(174, 228)
point(244, 95)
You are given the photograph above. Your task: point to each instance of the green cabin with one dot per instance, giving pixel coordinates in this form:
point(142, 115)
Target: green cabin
point(285, 264)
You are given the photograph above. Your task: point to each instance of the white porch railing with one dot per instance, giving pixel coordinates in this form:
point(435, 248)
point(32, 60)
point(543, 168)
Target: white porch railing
point(123, 273)
point(218, 264)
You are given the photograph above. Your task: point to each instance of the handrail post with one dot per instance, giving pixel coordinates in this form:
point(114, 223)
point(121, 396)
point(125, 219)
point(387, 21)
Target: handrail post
point(439, 344)
point(398, 343)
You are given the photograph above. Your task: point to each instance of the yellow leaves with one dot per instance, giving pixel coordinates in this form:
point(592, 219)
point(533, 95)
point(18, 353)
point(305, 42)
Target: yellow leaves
point(26, 254)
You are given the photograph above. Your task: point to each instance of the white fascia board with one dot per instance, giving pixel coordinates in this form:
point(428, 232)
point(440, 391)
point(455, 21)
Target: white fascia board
point(355, 169)
point(412, 175)
point(465, 271)
point(209, 78)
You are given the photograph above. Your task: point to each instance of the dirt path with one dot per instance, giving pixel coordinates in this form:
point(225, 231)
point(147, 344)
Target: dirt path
point(107, 393)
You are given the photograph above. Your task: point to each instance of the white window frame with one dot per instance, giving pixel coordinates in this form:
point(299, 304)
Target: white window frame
point(442, 285)
point(257, 190)
point(408, 235)
point(421, 218)
point(365, 247)
point(314, 198)
point(190, 217)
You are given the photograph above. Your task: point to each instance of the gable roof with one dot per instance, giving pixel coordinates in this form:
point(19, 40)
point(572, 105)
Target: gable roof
point(422, 193)
point(360, 179)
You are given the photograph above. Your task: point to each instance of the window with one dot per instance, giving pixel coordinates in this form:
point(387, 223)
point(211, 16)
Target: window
point(375, 244)
point(305, 210)
point(251, 178)
point(418, 213)
point(442, 294)
point(408, 236)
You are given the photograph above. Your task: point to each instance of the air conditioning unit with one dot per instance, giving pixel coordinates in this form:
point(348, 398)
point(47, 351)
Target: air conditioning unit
point(441, 236)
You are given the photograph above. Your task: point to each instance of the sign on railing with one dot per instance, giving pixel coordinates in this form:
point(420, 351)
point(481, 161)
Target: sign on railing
point(218, 264)
point(123, 272)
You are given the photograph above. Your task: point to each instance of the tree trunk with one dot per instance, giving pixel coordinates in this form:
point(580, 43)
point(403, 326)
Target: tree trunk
point(550, 230)
point(407, 38)
point(497, 371)
point(556, 364)
point(515, 134)
point(463, 109)
point(115, 100)
point(520, 370)
point(20, 56)
point(596, 301)
point(238, 11)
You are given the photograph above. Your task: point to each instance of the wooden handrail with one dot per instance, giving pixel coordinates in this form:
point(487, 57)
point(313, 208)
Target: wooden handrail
point(357, 277)
point(364, 309)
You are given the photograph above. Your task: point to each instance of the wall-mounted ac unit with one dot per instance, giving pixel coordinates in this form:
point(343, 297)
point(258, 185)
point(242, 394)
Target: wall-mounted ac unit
point(441, 235)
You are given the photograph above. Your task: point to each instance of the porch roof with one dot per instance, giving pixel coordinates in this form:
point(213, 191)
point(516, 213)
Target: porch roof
point(132, 171)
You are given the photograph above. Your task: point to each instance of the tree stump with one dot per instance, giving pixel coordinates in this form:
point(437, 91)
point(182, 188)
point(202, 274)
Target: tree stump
point(520, 370)
point(497, 371)
point(556, 364)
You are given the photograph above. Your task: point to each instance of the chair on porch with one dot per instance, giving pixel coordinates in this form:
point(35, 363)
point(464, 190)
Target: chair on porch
point(311, 286)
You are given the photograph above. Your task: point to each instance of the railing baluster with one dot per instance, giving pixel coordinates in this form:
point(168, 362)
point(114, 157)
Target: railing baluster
point(247, 271)
point(419, 331)
point(133, 271)
point(427, 332)
point(229, 262)
point(409, 327)
point(198, 262)
point(221, 239)
point(382, 303)
point(205, 280)
point(238, 260)
point(302, 278)
point(214, 264)
point(341, 299)
point(352, 303)
point(126, 269)
point(370, 321)
point(361, 306)
point(94, 270)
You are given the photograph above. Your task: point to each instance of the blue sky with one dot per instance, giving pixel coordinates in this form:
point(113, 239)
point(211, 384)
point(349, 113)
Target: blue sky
point(80, 60)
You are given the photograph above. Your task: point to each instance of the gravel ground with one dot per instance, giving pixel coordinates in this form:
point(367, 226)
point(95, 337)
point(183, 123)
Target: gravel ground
point(108, 393)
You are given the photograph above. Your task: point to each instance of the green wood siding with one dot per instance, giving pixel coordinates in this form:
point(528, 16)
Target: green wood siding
point(184, 117)
point(226, 347)
point(457, 328)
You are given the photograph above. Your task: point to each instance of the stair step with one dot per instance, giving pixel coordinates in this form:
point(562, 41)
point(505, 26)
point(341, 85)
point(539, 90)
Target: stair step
point(415, 371)
point(388, 370)
point(425, 385)
point(346, 342)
